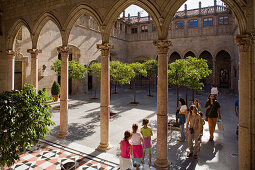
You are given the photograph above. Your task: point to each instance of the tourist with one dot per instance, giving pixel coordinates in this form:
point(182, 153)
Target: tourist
point(136, 146)
point(212, 113)
point(126, 151)
point(236, 107)
point(183, 111)
point(147, 133)
point(214, 91)
point(197, 105)
point(193, 129)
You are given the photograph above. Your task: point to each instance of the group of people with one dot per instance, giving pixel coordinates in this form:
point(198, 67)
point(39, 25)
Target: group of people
point(195, 121)
point(135, 151)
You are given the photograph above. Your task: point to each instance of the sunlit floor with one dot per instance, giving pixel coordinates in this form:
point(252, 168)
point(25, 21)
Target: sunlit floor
point(84, 129)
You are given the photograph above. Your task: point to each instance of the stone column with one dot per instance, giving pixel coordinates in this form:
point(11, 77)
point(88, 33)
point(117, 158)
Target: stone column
point(214, 71)
point(34, 66)
point(64, 51)
point(104, 97)
point(162, 104)
point(11, 69)
point(244, 144)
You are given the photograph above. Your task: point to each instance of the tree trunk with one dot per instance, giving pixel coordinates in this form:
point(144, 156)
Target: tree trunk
point(115, 87)
point(149, 87)
point(187, 97)
point(130, 85)
point(177, 103)
point(134, 93)
point(193, 95)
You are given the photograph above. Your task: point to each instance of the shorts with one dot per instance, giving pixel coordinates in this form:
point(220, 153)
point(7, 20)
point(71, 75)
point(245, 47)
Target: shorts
point(147, 149)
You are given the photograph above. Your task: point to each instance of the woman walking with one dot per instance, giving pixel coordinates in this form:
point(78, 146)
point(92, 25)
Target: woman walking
point(193, 129)
point(212, 113)
point(183, 111)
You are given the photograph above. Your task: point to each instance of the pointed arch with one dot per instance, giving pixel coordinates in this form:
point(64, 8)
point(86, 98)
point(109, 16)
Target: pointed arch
point(41, 22)
point(172, 7)
point(204, 50)
point(174, 55)
point(75, 14)
point(120, 6)
point(222, 49)
point(14, 30)
point(189, 52)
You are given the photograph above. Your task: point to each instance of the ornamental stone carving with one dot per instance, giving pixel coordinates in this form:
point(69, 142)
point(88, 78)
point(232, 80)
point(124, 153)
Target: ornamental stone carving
point(64, 49)
point(244, 42)
point(105, 48)
point(162, 46)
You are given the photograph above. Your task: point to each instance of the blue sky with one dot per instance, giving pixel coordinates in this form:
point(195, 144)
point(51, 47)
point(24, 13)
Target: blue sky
point(191, 4)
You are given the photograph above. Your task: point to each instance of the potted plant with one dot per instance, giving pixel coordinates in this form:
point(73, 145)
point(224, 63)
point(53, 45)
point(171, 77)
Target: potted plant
point(55, 90)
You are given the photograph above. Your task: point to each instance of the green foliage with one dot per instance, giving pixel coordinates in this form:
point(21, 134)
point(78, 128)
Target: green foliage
point(188, 72)
point(139, 69)
point(95, 68)
point(151, 67)
point(24, 118)
point(75, 69)
point(55, 89)
point(121, 73)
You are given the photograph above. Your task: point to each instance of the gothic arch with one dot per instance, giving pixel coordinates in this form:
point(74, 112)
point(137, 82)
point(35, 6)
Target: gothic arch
point(120, 6)
point(41, 22)
point(174, 50)
point(75, 14)
point(203, 50)
point(222, 49)
point(14, 30)
point(175, 54)
point(237, 8)
point(187, 51)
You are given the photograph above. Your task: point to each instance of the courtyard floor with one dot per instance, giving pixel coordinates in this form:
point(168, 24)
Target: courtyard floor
point(84, 133)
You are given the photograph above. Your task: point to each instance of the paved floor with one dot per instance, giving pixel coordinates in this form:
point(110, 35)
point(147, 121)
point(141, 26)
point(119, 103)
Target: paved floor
point(84, 128)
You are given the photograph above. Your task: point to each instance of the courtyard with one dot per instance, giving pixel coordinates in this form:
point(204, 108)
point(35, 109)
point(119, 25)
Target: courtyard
point(84, 129)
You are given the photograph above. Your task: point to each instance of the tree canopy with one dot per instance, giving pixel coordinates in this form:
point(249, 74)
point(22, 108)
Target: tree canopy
point(151, 67)
point(95, 68)
point(75, 69)
point(25, 117)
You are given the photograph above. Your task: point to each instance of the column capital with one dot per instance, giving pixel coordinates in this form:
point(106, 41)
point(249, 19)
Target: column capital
point(105, 48)
point(162, 45)
point(34, 51)
point(244, 42)
point(64, 49)
point(10, 52)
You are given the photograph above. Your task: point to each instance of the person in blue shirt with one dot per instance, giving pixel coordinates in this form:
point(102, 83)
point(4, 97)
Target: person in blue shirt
point(236, 107)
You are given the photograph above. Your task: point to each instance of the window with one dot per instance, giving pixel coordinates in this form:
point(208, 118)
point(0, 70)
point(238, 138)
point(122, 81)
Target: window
point(180, 25)
point(134, 30)
point(208, 22)
point(223, 20)
point(144, 28)
point(153, 28)
point(193, 23)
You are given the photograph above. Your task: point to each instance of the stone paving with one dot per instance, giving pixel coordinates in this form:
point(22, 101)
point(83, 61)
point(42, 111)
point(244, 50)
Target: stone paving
point(84, 127)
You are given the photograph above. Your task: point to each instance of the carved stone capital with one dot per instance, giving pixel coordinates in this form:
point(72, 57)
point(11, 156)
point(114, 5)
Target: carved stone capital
point(162, 45)
point(10, 53)
point(244, 42)
point(64, 50)
point(105, 48)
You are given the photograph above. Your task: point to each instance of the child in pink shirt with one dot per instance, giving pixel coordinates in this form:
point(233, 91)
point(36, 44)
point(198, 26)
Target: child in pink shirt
point(126, 151)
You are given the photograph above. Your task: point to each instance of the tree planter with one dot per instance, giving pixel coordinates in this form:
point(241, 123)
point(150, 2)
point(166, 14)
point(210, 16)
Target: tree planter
point(55, 98)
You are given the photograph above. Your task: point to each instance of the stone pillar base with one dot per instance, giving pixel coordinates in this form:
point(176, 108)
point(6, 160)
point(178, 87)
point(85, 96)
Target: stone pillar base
point(161, 164)
point(62, 135)
point(104, 147)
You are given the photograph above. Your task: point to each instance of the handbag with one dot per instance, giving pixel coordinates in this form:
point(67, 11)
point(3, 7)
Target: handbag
point(220, 124)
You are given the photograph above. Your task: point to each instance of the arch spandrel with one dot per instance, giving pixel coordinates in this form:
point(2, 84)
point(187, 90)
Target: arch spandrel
point(236, 7)
point(121, 5)
point(14, 30)
point(41, 22)
point(75, 14)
